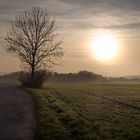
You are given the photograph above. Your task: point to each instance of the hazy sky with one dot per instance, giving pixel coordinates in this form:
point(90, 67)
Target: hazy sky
point(78, 23)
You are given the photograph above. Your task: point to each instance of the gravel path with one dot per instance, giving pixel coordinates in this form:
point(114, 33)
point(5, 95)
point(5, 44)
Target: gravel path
point(17, 115)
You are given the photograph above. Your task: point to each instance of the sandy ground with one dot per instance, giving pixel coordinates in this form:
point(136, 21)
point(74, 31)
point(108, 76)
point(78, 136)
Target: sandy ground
point(17, 114)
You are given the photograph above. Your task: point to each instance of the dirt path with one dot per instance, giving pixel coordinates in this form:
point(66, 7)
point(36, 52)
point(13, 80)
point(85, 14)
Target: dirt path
point(17, 115)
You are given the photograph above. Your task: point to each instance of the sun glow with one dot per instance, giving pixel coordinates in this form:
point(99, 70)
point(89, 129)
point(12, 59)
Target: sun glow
point(105, 47)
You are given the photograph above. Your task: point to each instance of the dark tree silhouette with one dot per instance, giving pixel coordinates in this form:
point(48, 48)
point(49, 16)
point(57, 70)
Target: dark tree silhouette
point(31, 37)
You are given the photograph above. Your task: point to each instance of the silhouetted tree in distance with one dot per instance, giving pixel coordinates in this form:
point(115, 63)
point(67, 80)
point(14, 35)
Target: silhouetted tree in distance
point(31, 37)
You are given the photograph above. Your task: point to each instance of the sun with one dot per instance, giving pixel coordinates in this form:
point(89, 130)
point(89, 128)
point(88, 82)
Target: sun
point(105, 47)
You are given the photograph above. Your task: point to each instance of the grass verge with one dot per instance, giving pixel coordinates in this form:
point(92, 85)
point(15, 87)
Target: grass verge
point(57, 121)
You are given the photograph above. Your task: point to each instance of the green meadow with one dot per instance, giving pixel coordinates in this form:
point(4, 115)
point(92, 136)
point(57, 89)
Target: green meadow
point(88, 111)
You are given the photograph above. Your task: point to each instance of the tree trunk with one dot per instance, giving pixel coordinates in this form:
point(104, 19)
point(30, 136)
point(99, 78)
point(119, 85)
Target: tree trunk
point(33, 69)
point(32, 73)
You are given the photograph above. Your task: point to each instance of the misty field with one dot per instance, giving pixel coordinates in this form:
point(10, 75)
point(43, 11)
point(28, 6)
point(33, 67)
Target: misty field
point(88, 111)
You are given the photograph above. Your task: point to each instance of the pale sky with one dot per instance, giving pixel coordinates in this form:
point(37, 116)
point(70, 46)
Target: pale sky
point(78, 24)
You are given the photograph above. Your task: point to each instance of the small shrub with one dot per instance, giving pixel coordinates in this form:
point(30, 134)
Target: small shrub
point(37, 82)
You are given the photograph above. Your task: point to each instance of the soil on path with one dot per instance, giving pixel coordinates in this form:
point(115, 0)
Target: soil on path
point(17, 114)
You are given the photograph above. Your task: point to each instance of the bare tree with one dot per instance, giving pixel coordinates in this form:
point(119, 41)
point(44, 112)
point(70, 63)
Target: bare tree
point(31, 37)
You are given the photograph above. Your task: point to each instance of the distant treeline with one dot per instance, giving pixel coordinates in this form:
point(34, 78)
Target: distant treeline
point(81, 76)
point(85, 77)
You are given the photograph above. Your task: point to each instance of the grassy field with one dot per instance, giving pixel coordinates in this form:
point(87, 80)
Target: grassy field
point(88, 112)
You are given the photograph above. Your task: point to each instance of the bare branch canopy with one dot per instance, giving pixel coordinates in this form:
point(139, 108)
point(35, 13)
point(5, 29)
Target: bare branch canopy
point(31, 37)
